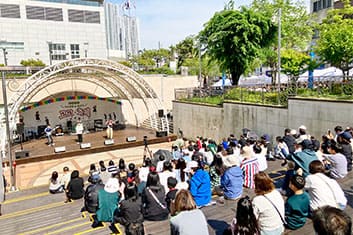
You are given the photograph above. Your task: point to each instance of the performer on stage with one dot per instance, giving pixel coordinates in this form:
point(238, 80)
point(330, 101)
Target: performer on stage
point(79, 131)
point(48, 131)
point(109, 124)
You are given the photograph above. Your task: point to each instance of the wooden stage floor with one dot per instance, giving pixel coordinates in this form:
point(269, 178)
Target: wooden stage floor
point(38, 150)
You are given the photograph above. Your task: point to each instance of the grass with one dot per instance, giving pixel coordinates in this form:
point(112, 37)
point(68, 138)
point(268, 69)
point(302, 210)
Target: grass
point(335, 92)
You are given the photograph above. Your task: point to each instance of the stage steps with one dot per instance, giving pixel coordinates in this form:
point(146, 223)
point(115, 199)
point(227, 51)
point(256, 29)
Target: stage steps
point(162, 124)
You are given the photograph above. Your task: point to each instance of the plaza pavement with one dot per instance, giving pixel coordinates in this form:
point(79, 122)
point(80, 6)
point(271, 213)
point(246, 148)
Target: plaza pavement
point(38, 173)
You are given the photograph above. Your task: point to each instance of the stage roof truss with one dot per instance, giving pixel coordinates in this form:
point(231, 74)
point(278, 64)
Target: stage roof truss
point(122, 79)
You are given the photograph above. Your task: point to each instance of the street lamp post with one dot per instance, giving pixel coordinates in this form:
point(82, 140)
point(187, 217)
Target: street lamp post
point(279, 54)
point(85, 46)
point(200, 65)
point(5, 57)
point(8, 134)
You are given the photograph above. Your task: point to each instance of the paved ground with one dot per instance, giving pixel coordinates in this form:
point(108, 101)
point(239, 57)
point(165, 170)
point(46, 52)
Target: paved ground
point(38, 173)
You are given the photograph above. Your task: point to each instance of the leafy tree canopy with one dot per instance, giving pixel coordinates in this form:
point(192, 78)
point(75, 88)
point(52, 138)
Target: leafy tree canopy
point(296, 23)
point(235, 37)
point(32, 62)
point(294, 62)
point(335, 43)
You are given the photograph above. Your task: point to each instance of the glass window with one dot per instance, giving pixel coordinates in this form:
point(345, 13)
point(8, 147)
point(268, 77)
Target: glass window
point(75, 51)
point(58, 51)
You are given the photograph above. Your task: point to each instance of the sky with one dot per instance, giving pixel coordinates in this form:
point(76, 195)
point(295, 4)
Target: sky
point(166, 22)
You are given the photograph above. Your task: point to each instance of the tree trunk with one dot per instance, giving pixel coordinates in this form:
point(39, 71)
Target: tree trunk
point(235, 77)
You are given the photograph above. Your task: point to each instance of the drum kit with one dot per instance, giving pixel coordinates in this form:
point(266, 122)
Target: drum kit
point(58, 130)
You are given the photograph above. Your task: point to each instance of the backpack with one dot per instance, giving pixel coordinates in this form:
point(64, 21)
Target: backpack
point(134, 229)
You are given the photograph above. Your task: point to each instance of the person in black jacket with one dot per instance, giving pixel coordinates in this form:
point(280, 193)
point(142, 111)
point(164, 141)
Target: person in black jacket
point(91, 194)
point(289, 139)
point(130, 212)
point(74, 189)
point(153, 199)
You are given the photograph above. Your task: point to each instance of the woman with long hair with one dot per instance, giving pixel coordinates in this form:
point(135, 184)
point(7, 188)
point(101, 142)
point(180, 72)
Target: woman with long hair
point(268, 205)
point(217, 169)
point(54, 183)
point(245, 222)
point(187, 219)
point(153, 199)
point(75, 189)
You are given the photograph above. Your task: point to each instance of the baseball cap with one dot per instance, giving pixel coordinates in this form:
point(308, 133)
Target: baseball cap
point(190, 165)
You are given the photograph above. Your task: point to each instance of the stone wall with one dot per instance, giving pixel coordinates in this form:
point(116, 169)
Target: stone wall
point(217, 122)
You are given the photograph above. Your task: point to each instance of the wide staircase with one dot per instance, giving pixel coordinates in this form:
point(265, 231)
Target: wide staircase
point(36, 211)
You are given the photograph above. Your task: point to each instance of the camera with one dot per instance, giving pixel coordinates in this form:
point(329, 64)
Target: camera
point(145, 142)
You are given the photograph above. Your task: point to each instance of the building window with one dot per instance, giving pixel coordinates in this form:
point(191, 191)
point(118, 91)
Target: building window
point(315, 7)
point(10, 11)
point(84, 16)
point(75, 51)
point(44, 13)
point(329, 3)
point(58, 51)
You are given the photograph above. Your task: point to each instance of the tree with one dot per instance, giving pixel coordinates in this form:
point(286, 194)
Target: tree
point(296, 27)
point(185, 50)
point(235, 37)
point(32, 62)
point(335, 43)
point(294, 63)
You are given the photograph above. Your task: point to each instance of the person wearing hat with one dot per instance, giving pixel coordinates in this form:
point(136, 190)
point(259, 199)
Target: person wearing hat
point(250, 166)
point(303, 133)
point(232, 180)
point(303, 158)
point(91, 194)
point(200, 183)
point(297, 206)
point(108, 200)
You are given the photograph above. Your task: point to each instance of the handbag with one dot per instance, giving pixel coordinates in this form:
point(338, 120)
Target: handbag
point(156, 199)
point(283, 220)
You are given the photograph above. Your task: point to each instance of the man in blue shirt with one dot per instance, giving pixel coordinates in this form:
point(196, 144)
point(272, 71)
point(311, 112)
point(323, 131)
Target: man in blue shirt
point(200, 183)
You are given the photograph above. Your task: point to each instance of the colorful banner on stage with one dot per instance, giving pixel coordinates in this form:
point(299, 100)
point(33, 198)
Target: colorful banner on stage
point(59, 99)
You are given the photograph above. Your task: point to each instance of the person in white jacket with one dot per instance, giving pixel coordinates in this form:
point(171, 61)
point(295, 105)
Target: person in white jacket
point(323, 190)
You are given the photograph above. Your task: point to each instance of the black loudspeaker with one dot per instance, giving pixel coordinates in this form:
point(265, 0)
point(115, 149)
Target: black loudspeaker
point(131, 139)
point(21, 154)
point(20, 128)
point(40, 130)
point(160, 112)
point(161, 133)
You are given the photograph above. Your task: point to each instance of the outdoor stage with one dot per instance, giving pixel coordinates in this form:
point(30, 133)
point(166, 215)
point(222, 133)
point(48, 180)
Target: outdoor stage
point(38, 150)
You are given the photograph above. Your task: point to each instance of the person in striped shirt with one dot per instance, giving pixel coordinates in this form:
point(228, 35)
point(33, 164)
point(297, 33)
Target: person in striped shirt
point(249, 165)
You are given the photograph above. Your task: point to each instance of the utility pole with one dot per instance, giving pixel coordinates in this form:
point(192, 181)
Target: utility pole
point(8, 134)
point(5, 57)
point(200, 66)
point(279, 55)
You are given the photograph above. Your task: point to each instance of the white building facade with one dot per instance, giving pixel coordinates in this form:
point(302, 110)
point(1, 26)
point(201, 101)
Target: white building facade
point(122, 29)
point(53, 30)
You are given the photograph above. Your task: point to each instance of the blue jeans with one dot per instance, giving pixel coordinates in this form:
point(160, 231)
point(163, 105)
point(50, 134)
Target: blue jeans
point(277, 231)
